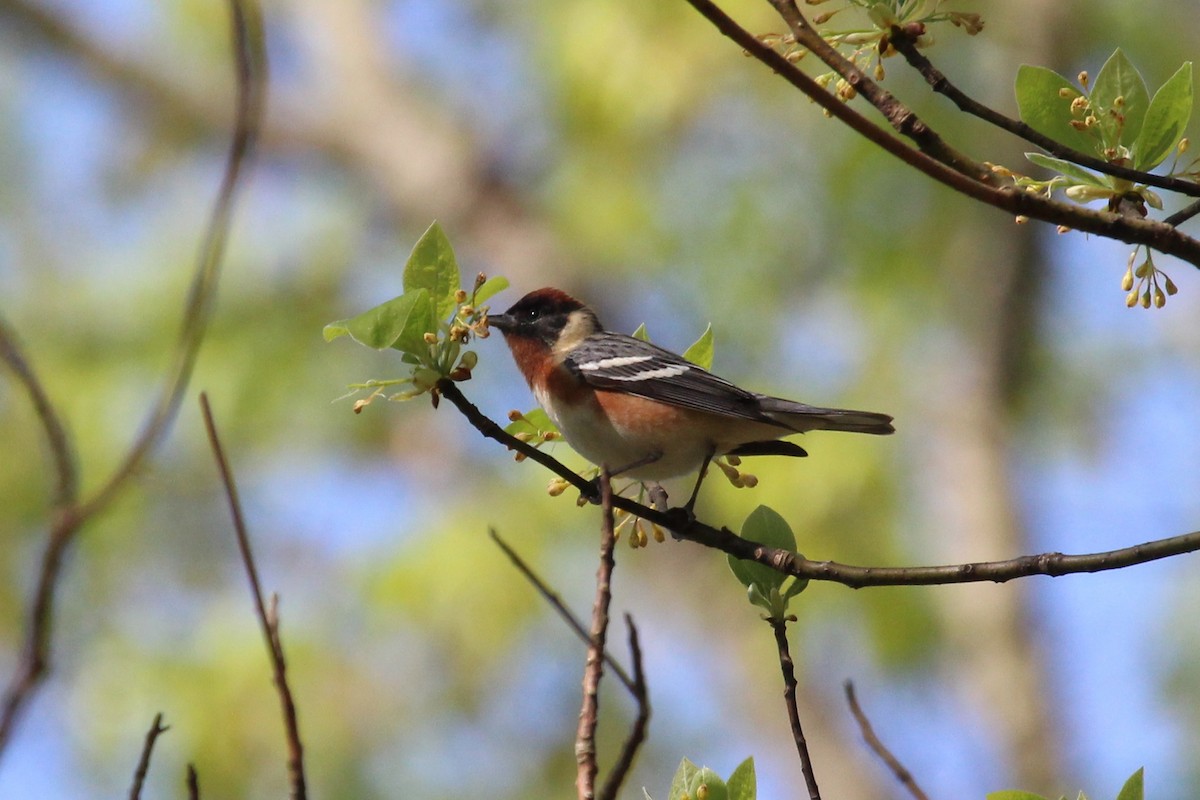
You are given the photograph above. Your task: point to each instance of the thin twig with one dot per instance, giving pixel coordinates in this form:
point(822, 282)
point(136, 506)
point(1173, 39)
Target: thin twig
point(268, 618)
point(193, 783)
point(585, 737)
point(70, 514)
point(868, 733)
point(143, 765)
point(957, 172)
point(787, 667)
point(943, 86)
point(637, 733)
point(789, 563)
point(556, 602)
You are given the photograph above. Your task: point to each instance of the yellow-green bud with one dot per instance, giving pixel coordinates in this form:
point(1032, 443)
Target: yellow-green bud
point(749, 481)
point(1146, 299)
point(1171, 287)
point(556, 487)
point(430, 338)
point(1142, 269)
point(1131, 299)
point(515, 415)
point(1083, 78)
point(1160, 299)
point(469, 360)
point(459, 296)
point(1127, 281)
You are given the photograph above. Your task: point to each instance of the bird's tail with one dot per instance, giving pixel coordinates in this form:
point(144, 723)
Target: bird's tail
point(801, 417)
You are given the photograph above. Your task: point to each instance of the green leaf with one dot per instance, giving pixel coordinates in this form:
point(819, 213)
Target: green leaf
point(1119, 78)
point(532, 422)
point(1133, 788)
point(1013, 794)
point(681, 783)
point(640, 333)
point(794, 588)
point(1069, 169)
point(716, 787)
point(701, 351)
point(742, 784)
point(1042, 108)
point(400, 322)
point(1166, 119)
point(432, 266)
point(491, 287)
point(765, 526)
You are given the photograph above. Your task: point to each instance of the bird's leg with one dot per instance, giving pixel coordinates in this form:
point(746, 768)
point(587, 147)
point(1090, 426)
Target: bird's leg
point(641, 462)
point(658, 497)
point(708, 457)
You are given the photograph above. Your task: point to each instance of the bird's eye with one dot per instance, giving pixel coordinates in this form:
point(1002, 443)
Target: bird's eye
point(531, 314)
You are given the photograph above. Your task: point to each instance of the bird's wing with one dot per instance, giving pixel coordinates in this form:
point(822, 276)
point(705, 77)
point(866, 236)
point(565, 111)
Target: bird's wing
point(622, 363)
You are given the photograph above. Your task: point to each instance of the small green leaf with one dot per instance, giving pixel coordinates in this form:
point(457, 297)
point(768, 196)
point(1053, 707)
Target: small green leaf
point(1013, 794)
point(1069, 169)
point(532, 422)
point(716, 787)
point(1133, 788)
point(640, 333)
point(765, 526)
point(491, 287)
point(701, 351)
point(432, 266)
point(794, 588)
point(401, 320)
point(1119, 78)
point(1166, 120)
point(742, 784)
point(1044, 110)
point(681, 783)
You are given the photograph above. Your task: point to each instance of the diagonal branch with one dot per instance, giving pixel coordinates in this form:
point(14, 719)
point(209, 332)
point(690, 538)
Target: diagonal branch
point(873, 741)
point(557, 603)
point(687, 527)
point(268, 617)
point(956, 171)
point(143, 765)
point(942, 85)
point(71, 515)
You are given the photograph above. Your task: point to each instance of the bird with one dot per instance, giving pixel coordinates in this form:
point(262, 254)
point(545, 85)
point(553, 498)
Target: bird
point(640, 410)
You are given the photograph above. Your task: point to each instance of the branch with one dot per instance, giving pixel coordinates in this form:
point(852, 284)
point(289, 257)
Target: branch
point(70, 514)
point(687, 527)
point(868, 733)
point(786, 666)
point(251, 72)
point(637, 734)
point(942, 85)
point(268, 618)
point(143, 765)
point(556, 602)
point(193, 783)
point(585, 737)
point(956, 172)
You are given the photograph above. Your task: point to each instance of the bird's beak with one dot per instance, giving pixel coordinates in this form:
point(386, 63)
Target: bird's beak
point(501, 322)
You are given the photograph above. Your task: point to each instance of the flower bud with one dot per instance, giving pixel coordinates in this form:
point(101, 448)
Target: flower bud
point(429, 337)
point(459, 296)
point(515, 415)
point(1160, 299)
point(1127, 281)
point(1171, 287)
point(1131, 299)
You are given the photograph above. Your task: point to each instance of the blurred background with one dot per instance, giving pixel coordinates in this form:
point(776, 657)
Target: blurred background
point(626, 152)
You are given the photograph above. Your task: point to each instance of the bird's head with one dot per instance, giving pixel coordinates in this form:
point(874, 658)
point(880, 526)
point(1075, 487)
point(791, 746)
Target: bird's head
point(548, 316)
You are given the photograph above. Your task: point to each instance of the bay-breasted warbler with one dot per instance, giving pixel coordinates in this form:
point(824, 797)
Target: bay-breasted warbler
point(642, 411)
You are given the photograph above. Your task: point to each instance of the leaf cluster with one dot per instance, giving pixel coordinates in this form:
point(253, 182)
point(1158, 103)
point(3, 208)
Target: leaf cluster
point(701, 783)
point(429, 323)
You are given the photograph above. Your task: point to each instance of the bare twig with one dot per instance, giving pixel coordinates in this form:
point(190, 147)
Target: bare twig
point(868, 733)
point(267, 617)
point(789, 563)
point(66, 471)
point(143, 765)
point(70, 514)
point(193, 783)
point(556, 602)
point(637, 734)
point(943, 86)
point(786, 666)
point(934, 159)
point(585, 737)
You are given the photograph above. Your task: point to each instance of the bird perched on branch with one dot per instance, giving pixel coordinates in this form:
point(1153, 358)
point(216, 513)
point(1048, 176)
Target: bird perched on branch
point(645, 412)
